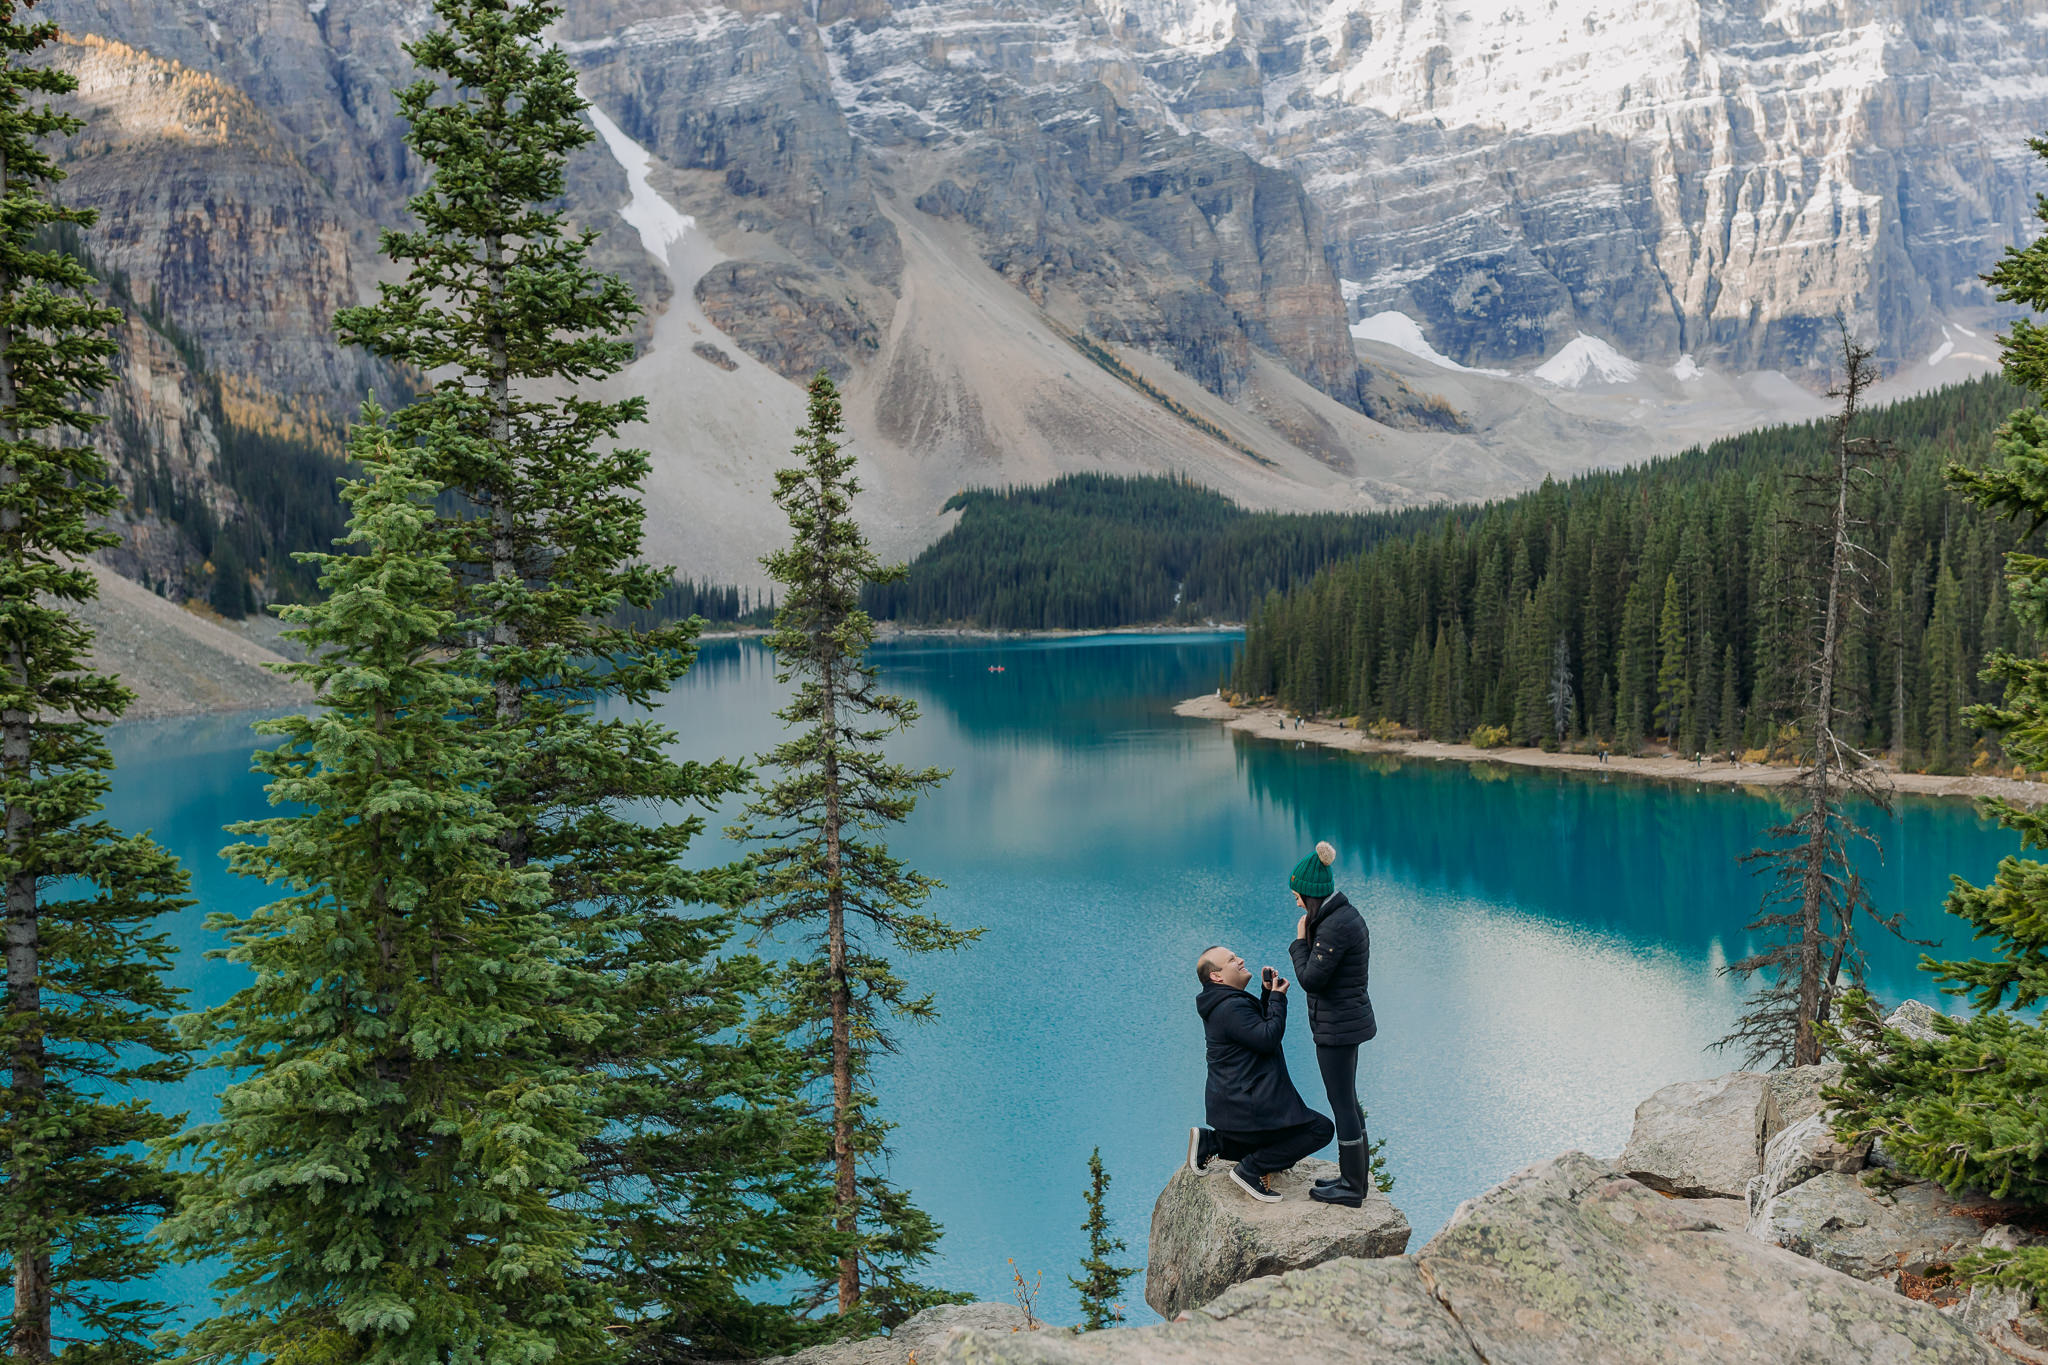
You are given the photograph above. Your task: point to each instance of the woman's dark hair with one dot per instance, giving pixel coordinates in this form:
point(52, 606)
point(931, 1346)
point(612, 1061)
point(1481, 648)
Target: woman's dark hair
point(1314, 903)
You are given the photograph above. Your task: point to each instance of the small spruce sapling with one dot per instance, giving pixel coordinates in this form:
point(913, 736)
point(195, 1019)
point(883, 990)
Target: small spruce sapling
point(1101, 1279)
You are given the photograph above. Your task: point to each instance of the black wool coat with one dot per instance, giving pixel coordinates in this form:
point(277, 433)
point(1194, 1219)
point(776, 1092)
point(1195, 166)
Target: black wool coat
point(1330, 965)
point(1249, 1090)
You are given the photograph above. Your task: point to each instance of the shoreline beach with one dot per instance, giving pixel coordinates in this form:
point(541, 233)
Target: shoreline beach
point(1266, 722)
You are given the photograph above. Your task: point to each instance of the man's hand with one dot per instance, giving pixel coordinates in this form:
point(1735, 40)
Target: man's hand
point(1279, 986)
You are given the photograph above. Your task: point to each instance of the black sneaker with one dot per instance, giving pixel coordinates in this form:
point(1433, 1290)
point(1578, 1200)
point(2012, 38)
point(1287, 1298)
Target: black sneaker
point(1254, 1185)
point(1201, 1147)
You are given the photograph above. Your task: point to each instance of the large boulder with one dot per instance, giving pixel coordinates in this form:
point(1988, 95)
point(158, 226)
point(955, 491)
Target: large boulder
point(1799, 1153)
point(918, 1339)
point(1700, 1139)
point(1794, 1095)
point(1207, 1234)
point(1568, 1263)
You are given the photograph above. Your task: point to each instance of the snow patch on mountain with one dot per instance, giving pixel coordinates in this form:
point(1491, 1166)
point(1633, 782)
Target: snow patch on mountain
point(1405, 333)
point(1587, 360)
point(1687, 369)
point(656, 220)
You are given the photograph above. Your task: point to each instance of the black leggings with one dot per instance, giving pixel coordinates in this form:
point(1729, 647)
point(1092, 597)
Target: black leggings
point(1339, 1066)
point(1276, 1149)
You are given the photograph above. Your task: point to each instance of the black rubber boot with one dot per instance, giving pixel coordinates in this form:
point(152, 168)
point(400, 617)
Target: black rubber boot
point(1331, 1181)
point(1351, 1188)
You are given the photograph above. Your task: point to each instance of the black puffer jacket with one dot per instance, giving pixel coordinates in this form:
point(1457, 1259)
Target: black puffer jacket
point(1249, 1090)
point(1331, 966)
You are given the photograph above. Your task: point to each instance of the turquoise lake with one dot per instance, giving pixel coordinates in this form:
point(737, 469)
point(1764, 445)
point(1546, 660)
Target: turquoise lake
point(1545, 946)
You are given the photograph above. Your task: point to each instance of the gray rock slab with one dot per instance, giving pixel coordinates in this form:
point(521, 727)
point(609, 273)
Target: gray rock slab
point(1838, 1221)
point(1794, 1094)
point(1207, 1234)
point(1571, 1263)
point(1987, 1308)
point(922, 1336)
point(1799, 1153)
point(1728, 1213)
point(1700, 1139)
point(1349, 1312)
point(1915, 1019)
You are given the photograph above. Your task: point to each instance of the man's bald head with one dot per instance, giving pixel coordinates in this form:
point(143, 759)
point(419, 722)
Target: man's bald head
point(1219, 965)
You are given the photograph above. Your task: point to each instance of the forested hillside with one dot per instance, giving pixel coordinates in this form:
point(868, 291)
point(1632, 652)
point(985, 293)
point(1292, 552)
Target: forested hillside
point(1092, 551)
point(1656, 593)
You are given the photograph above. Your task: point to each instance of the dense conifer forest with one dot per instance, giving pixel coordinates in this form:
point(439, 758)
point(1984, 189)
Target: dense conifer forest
point(1649, 604)
point(1093, 551)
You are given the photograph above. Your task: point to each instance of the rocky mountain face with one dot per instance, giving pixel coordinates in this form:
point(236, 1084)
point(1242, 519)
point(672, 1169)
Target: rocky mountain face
point(1134, 235)
point(1705, 177)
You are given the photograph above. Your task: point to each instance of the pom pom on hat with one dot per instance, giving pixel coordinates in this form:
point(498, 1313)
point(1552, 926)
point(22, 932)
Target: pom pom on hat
point(1312, 874)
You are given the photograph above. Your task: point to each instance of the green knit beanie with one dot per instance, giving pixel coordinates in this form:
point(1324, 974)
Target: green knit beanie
point(1312, 874)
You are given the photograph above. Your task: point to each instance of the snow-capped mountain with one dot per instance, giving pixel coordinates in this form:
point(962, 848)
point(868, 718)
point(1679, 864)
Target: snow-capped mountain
point(1294, 247)
point(1705, 177)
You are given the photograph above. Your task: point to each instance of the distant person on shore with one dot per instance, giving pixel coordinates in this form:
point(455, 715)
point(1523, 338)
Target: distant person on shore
point(1332, 950)
point(1256, 1117)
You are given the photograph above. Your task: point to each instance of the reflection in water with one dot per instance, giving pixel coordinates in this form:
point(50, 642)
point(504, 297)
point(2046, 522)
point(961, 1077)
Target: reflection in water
point(1545, 946)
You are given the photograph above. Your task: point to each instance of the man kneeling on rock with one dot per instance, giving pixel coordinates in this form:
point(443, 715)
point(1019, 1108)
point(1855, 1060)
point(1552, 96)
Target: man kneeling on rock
point(1255, 1117)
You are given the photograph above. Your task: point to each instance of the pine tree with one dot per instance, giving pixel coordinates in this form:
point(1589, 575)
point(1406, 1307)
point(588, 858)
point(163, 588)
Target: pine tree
point(1730, 726)
point(1816, 895)
point(1947, 687)
point(1965, 1108)
point(699, 1170)
point(825, 869)
point(85, 1015)
point(394, 1177)
point(1101, 1280)
point(1674, 697)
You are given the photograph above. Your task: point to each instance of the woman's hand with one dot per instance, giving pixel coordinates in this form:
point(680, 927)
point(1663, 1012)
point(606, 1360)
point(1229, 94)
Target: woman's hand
point(1301, 927)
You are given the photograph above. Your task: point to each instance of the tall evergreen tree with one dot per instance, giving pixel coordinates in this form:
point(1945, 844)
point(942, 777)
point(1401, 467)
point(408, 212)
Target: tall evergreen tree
point(1101, 1279)
point(393, 1178)
point(698, 1171)
point(85, 1010)
point(826, 871)
point(1948, 690)
point(1674, 696)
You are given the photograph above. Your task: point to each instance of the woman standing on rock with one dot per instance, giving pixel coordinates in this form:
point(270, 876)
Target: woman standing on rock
point(1331, 951)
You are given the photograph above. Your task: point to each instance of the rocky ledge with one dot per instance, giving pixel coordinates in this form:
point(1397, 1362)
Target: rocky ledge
point(1208, 1235)
point(1568, 1263)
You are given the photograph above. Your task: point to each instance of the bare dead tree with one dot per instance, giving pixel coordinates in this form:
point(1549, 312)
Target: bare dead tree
point(1809, 913)
point(1563, 703)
